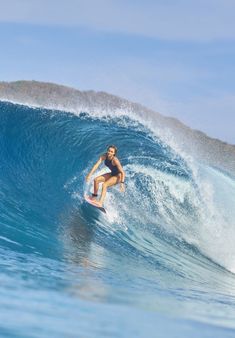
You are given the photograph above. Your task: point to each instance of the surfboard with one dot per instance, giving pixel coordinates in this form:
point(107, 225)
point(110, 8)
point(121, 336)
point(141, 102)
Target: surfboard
point(92, 202)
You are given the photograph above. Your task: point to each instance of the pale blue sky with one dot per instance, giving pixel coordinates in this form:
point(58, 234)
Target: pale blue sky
point(175, 56)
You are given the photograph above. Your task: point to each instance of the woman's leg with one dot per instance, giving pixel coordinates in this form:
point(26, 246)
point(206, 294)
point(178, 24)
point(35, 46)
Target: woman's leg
point(113, 180)
point(98, 180)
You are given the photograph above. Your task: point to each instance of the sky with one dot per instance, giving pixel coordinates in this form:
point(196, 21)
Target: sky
point(176, 57)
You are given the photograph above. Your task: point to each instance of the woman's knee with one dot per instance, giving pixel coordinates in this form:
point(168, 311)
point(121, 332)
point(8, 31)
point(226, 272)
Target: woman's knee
point(98, 179)
point(105, 185)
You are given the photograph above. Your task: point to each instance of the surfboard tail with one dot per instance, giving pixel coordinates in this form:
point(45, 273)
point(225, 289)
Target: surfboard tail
point(89, 200)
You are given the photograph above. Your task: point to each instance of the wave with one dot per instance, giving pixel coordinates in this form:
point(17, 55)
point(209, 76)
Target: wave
point(47, 153)
point(173, 225)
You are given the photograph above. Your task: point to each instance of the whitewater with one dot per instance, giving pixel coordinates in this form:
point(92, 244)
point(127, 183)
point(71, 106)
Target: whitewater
point(160, 263)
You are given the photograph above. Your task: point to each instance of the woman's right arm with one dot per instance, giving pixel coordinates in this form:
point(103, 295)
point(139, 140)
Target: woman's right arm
point(95, 167)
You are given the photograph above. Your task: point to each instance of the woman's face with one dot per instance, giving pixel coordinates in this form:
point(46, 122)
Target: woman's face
point(111, 152)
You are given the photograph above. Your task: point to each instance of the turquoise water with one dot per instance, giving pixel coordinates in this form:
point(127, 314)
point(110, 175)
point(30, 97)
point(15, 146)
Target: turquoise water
point(160, 263)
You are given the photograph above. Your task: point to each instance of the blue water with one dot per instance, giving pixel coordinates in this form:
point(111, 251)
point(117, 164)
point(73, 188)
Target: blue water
point(160, 263)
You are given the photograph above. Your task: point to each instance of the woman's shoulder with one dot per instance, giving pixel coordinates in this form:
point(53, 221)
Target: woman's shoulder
point(116, 160)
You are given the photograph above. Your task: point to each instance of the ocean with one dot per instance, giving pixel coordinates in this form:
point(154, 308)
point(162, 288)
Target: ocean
point(159, 263)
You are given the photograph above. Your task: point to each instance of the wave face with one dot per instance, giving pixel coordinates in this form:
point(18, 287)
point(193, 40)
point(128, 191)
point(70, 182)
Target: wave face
point(162, 257)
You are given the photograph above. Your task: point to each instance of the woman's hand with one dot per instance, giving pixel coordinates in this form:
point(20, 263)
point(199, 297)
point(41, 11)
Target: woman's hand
point(122, 187)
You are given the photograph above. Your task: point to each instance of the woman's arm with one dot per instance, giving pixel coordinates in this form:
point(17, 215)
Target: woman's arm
point(120, 169)
point(95, 167)
point(123, 175)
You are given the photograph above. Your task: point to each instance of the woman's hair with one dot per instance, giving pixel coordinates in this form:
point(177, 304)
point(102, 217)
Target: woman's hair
point(114, 147)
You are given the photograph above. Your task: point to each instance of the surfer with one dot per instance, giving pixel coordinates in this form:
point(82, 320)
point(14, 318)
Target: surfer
point(117, 174)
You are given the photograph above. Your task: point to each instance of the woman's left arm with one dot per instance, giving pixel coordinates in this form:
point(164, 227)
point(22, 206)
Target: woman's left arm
point(123, 175)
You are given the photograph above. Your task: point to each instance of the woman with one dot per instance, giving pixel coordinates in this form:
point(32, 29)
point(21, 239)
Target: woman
point(117, 174)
